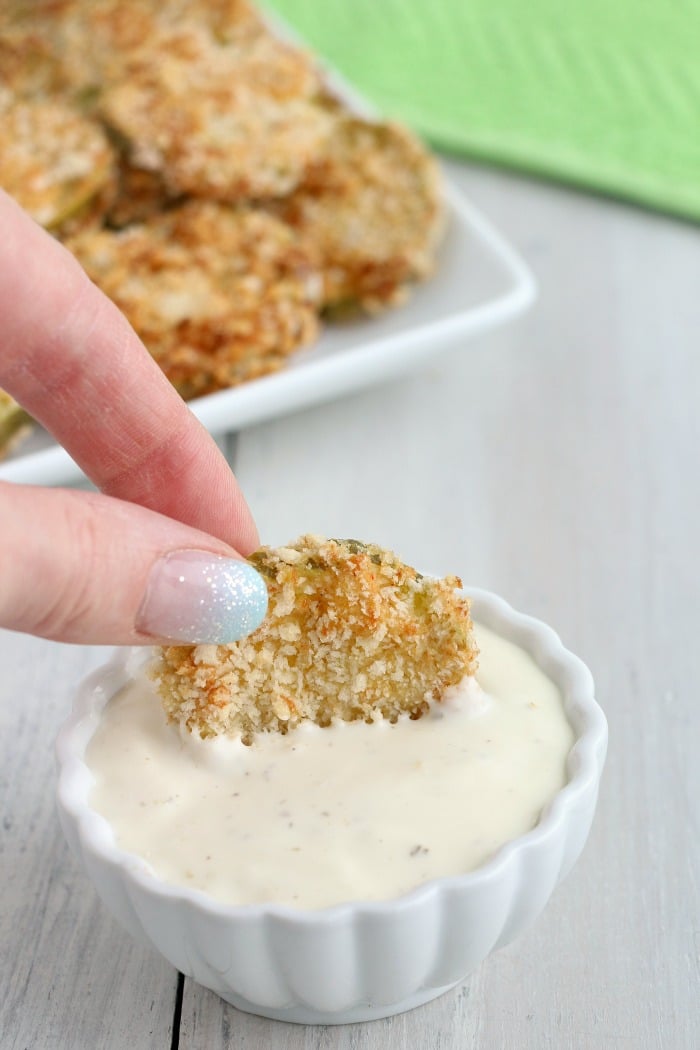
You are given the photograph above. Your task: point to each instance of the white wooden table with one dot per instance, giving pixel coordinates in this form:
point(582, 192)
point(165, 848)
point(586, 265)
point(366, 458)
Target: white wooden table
point(556, 462)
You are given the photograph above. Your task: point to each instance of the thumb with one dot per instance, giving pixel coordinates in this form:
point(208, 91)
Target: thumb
point(81, 567)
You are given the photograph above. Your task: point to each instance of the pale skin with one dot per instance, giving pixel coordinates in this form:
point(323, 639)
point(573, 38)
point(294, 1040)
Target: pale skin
point(74, 566)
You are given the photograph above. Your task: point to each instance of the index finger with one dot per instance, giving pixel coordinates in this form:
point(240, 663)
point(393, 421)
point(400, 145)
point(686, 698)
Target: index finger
point(72, 360)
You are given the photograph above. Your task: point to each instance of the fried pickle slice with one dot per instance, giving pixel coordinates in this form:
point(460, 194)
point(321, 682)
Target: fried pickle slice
point(35, 55)
point(95, 38)
point(218, 119)
point(371, 208)
point(218, 295)
point(100, 40)
point(351, 633)
point(53, 160)
point(15, 424)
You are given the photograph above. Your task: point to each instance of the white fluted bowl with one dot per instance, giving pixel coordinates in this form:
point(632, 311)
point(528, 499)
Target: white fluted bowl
point(362, 960)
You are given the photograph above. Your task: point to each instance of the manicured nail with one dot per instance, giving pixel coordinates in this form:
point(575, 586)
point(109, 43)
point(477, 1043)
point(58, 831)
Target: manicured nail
point(193, 596)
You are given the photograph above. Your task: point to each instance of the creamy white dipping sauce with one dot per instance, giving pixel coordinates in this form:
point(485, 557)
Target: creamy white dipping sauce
point(354, 811)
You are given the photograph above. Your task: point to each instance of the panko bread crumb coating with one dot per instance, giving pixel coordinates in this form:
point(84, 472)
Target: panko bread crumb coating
point(218, 295)
point(218, 119)
point(53, 160)
point(371, 208)
point(351, 633)
point(101, 41)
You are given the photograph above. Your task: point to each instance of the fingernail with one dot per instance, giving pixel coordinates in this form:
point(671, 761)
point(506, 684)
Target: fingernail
point(193, 596)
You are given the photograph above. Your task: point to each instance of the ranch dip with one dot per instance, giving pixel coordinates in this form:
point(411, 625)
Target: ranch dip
point(350, 812)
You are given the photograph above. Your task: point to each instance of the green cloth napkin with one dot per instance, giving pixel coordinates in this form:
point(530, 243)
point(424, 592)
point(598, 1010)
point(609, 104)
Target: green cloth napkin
point(601, 93)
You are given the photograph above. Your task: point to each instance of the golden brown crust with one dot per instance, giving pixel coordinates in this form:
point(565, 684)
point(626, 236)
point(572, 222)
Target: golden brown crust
point(371, 209)
point(100, 39)
point(217, 119)
point(53, 160)
point(96, 37)
point(351, 633)
point(218, 295)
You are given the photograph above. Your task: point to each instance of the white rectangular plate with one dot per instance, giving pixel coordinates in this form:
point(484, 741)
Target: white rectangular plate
point(479, 282)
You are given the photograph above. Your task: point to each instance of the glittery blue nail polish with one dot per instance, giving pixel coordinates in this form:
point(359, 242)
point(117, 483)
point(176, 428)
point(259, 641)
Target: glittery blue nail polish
point(194, 596)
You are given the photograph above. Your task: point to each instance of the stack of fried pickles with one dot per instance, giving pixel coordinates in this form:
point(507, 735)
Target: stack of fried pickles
point(208, 178)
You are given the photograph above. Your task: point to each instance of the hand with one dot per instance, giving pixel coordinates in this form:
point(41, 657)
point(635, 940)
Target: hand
point(156, 556)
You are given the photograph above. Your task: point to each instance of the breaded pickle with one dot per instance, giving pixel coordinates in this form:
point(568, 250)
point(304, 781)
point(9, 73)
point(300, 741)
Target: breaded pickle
point(218, 120)
point(371, 209)
point(218, 295)
point(351, 633)
point(53, 160)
